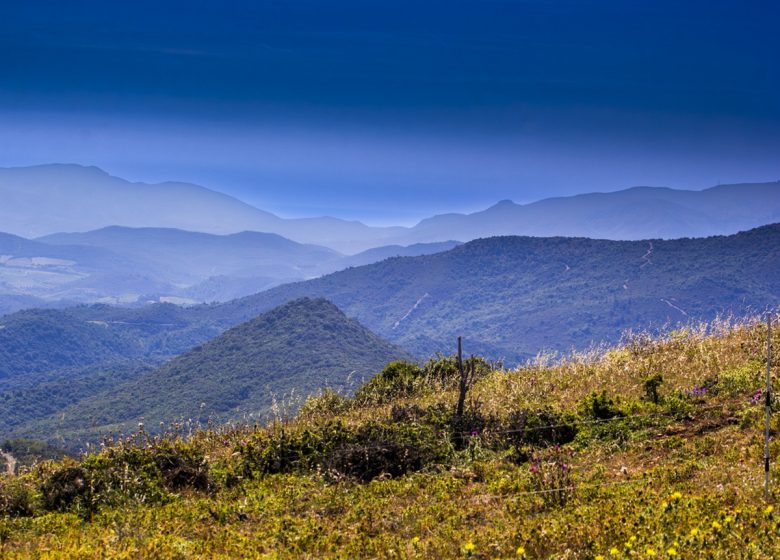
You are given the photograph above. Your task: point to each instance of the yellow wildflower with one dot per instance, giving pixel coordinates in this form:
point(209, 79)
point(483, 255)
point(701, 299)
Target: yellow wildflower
point(671, 552)
point(715, 525)
point(694, 532)
point(650, 551)
point(415, 540)
point(614, 551)
point(521, 551)
point(470, 546)
point(769, 509)
point(599, 557)
point(728, 519)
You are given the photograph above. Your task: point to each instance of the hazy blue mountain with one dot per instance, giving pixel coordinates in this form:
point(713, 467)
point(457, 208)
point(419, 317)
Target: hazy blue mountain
point(300, 347)
point(191, 257)
point(200, 267)
point(636, 213)
point(47, 199)
point(49, 273)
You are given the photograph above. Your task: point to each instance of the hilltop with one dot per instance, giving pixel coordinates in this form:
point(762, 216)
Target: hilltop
point(651, 449)
point(295, 349)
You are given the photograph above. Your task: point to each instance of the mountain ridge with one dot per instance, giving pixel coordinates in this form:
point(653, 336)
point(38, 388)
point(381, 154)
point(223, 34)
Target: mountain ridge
point(629, 214)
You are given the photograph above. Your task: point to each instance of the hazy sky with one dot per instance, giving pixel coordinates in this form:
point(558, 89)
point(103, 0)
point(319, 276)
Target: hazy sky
point(392, 111)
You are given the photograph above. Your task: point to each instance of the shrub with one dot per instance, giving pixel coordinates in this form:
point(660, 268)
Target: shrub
point(182, 467)
point(600, 406)
point(376, 450)
point(397, 379)
point(651, 383)
point(739, 380)
point(125, 473)
point(542, 427)
point(16, 498)
point(362, 453)
point(64, 488)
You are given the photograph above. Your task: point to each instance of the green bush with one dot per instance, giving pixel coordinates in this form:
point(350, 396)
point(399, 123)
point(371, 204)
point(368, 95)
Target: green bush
point(739, 380)
point(600, 406)
point(126, 473)
point(651, 384)
point(16, 498)
point(397, 379)
point(542, 427)
point(362, 453)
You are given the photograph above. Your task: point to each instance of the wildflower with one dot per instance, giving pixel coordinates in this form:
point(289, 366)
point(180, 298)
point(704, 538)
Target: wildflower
point(415, 540)
point(728, 519)
point(521, 551)
point(469, 547)
point(769, 509)
point(614, 551)
point(676, 496)
point(671, 552)
point(694, 532)
point(599, 557)
point(650, 551)
point(715, 525)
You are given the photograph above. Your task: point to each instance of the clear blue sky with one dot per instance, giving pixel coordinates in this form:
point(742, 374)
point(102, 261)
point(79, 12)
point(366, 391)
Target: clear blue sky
point(392, 111)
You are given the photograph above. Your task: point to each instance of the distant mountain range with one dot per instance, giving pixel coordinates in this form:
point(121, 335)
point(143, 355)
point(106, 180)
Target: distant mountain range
point(508, 297)
point(140, 265)
point(49, 199)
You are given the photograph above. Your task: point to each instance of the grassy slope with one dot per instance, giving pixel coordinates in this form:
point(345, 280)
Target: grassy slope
point(678, 478)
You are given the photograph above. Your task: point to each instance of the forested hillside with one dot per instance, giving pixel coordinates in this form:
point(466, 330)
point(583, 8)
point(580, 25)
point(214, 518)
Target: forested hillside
point(294, 350)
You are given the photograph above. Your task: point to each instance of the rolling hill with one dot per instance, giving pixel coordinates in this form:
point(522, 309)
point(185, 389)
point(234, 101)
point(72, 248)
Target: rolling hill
point(297, 348)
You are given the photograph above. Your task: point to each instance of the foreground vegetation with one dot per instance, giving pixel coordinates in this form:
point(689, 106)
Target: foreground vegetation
point(650, 450)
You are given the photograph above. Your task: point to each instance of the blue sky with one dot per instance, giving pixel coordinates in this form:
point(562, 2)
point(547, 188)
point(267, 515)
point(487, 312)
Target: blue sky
point(392, 111)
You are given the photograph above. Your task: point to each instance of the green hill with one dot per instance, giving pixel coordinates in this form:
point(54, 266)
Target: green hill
point(650, 450)
point(296, 349)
